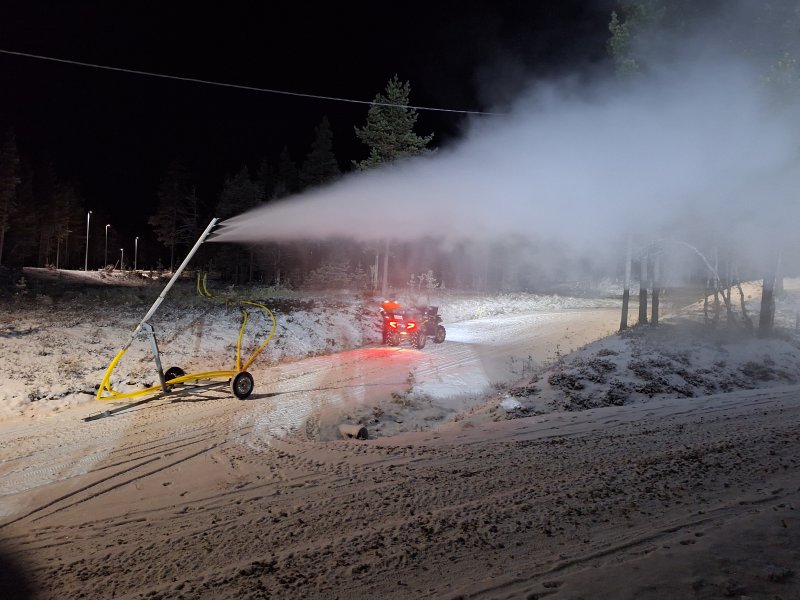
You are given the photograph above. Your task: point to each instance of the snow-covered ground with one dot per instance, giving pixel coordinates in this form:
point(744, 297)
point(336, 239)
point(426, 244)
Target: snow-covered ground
point(58, 338)
point(660, 491)
point(59, 335)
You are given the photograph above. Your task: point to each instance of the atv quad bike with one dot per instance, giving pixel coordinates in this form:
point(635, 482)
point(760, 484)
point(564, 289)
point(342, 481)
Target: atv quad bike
point(413, 325)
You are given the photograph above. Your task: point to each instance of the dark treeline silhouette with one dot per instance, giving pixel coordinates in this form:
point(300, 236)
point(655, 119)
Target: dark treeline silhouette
point(45, 221)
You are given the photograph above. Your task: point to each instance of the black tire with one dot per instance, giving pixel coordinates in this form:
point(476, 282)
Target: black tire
point(393, 338)
point(419, 341)
point(441, 333)
point(242, 385)
point(173, 372)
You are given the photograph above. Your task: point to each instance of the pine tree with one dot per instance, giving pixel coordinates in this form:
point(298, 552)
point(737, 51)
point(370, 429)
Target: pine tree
point(770, 41)
point(320, 165)
point(23, 237)
point(189, 226)
point(239, 194)
point(389, 134)
point(9, 180)
point(286, 183)
point(265, 180)
point(68, 215)
point(389, 131)
point(44, 193)
point(174, 192)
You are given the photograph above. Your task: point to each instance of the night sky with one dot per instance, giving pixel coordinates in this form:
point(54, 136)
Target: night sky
point(115, 133)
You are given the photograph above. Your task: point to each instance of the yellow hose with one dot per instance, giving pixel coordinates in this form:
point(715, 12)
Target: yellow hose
point(104, 384)
point(239, 340)
point(269, 337)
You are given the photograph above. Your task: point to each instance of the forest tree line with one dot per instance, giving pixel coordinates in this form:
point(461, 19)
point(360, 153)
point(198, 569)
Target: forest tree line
point(43, 220)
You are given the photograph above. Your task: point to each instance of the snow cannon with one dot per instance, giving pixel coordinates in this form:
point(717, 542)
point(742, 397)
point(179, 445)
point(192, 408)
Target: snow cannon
point(174, 380)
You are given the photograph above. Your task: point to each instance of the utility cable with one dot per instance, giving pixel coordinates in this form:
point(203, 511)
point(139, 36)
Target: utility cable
point(241, 87)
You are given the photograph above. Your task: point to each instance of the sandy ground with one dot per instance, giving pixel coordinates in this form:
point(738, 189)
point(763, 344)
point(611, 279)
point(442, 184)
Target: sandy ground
point(211, 497)
point(190, 500)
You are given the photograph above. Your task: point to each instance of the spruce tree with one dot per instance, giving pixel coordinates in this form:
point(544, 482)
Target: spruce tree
point(389, 131)
point(320, 164)
point(9, 180)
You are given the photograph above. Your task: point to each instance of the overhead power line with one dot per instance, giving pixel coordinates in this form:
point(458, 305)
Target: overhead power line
point(238, 86)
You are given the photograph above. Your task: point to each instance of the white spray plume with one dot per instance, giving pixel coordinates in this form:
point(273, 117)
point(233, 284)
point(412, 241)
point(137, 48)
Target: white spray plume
point(700, 145)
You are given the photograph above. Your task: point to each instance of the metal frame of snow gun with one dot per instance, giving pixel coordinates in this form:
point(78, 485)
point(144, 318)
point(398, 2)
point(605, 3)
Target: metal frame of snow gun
point(240, 381)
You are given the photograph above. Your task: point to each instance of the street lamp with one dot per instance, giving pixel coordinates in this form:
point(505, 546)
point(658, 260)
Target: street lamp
point(135, 252)
point(122, 259)
point(86, 259)
point(105, 252)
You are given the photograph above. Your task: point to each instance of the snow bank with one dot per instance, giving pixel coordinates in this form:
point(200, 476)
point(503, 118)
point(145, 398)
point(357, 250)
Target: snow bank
point(688, 355)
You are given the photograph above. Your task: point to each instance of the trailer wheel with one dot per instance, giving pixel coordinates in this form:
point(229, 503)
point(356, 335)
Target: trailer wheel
point(242, 385)
point(393, 339)
point(173, 372)
point(440, 334)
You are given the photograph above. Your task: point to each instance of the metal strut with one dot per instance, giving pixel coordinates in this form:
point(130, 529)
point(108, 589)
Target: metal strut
point(151, 334)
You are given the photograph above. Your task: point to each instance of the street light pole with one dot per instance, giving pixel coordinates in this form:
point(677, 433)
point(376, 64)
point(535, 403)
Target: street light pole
point(105, 252)
point(122, 259)
point(86, 259)
point(135, 251)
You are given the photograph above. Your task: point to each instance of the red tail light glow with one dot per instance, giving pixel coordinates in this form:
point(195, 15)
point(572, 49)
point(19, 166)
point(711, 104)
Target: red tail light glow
point(393, 324)
point(411, 325)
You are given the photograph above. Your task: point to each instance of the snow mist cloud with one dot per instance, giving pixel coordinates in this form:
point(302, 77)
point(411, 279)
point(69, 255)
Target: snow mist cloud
point(697, 147)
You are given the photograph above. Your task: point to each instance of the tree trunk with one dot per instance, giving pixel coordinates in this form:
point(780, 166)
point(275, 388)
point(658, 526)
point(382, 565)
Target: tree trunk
point(385, 280)
point(726, 298)
point(643, 290)
point(716, 287)
point(656, 288)
point(726, 293)
point(626, 292)
point(766, 319)
point(746, 317)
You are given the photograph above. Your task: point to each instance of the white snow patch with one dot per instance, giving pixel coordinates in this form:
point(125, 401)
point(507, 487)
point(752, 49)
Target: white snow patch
point(510, 404)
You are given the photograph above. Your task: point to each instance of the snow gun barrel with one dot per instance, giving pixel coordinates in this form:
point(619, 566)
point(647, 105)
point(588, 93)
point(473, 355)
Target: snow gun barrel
point(172, 280)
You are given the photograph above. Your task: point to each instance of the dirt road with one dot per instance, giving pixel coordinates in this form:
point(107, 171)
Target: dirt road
point(217, 498)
